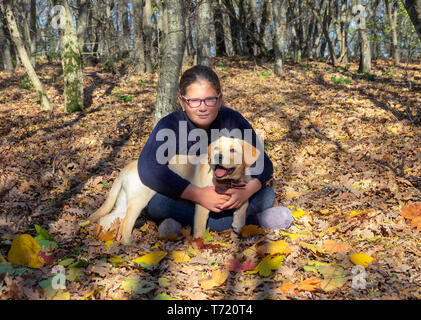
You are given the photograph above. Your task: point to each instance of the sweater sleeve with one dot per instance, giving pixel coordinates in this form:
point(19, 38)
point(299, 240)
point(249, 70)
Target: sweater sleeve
point(156, 174)
point(267, 172)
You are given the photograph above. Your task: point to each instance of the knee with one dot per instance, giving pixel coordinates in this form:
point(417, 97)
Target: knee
point(263, 199)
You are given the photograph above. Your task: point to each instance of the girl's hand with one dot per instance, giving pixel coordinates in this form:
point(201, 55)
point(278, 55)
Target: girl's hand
point(240, 195)
point(206, 197)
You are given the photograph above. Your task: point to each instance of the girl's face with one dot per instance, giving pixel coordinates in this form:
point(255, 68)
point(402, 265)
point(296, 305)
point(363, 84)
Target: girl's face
point(203, 115)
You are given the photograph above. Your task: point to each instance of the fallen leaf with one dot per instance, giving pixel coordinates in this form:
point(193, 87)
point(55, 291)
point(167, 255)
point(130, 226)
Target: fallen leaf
point(312, 247)
point(107, 235)
point(269, 263)
point(333, 277)
point(276, 247)
point(237, 266)
point(251, 230)
point(164, 282)
point(287, 286)
point(24, 251)
point(336, 246)
point(298, 213)
point(217, 278)
point(291, 235)
point(179, 256)
point(309, 284)
point(136, 286)
point(411, 212)
point(152, 258)
point(361, 259)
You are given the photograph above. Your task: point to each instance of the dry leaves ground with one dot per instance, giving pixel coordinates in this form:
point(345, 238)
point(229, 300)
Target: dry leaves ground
point(346, 157)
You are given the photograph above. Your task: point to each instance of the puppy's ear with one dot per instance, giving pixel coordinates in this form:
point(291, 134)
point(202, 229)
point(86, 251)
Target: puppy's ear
point(250, 154)
point(210, 153)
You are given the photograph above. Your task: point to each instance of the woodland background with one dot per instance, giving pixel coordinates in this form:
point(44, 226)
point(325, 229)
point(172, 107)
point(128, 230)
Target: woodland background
point(334, 85)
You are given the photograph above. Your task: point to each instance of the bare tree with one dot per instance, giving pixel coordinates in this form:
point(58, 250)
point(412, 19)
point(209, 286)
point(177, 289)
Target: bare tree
point(72, 63)
point(166, 98)
point(204, 20)
point(413, 7)
point(6, 8)
point(280, 20)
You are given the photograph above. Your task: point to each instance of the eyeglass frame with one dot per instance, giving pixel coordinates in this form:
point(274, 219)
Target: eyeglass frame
point(201, 100)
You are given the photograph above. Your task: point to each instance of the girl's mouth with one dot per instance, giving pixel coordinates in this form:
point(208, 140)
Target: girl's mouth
point(203, 116)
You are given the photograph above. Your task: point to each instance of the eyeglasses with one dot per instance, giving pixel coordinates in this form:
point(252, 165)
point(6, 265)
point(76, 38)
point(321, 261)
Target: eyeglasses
point(196, 103)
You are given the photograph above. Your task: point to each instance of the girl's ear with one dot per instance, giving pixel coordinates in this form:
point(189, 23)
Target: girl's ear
point(180, 102)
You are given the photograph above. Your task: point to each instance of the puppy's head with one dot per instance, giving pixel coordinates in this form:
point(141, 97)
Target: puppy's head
point(229, 157)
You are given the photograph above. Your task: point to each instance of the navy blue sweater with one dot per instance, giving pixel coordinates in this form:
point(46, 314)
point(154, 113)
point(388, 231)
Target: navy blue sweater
point(162, 179)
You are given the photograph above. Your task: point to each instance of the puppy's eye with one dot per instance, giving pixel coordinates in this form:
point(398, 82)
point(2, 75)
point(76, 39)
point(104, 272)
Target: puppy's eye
point(232, 150)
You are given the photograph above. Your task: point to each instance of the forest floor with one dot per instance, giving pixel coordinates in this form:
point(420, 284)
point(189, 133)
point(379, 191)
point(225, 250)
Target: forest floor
point(347, 161)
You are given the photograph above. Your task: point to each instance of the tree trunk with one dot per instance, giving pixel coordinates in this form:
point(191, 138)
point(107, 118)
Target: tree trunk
point(6, 45)
point(33, 31)
point(166, 98)
point(365, 50)
point(72, 64)
point(6, 8)
point(139, 51)
point(204, 20)
point(280, 20)
point(82, 27)
point(392, 20)
point(125, 26)
point(147, 34)
point(219, 31)
point(229, 49)
point(413, 7)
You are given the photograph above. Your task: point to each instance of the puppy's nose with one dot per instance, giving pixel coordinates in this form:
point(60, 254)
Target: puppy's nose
point(218, 158)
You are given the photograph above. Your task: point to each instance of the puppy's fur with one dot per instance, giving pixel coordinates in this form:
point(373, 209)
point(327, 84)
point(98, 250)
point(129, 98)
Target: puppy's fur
point(129, 196)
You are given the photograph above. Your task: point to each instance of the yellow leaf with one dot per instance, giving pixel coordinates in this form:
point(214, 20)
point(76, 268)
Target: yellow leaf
point(269, 263)
point(62, 295)
point(357, 213)
point(298, 213)
point(24, 251)
point(277, 247)
point(361, 259)
point(312, 247)
point(291, 235)
point(116, 260)
point(216, 278)
point(180, 256)
point(152, 258)
point(170, 237)
point(164, 282)
point(108, 243)
point(84, 223)
point(191, 251)
point(158, 244)
point(251, 230)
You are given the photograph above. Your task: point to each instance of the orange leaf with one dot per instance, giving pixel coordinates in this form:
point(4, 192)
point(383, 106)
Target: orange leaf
point(412, 211)
point(336, 246)
point(416, 223)
point(107, 235)
point(251, 230)
point(287, 286)
point(309, 284)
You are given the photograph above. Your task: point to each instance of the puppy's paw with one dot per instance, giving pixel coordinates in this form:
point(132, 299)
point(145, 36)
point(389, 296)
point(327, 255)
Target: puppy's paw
point(237, 229)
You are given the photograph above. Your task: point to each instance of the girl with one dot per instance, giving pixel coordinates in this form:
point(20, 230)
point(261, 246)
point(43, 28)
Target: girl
point(202, 107)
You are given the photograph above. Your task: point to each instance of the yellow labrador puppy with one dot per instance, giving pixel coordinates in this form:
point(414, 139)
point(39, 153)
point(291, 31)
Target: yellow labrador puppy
point(227, 160)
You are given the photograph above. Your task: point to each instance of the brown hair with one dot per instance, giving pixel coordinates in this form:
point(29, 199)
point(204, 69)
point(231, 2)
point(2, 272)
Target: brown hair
point(198, 73)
